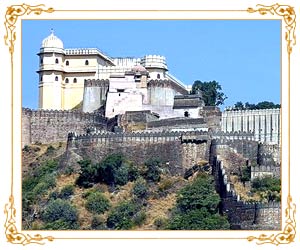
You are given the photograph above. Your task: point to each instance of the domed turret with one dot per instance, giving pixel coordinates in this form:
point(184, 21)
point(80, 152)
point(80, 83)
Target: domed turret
point(138, 68)
point(52, 41)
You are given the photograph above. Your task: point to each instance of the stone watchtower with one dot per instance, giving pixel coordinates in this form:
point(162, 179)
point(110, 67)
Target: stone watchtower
point(94, 94)
point(50, 72)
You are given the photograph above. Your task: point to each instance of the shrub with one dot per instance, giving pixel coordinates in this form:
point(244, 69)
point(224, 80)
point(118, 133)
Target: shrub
point(97, 203)
point(50, 149)
point(140, 189)
point(139, 218)
point(196, 207)
point(198, 219)
point(266, 183)
point(160, 222)
point(153, 170)
point(26, 148)
point(98, 223)
point(122, 216)
point(87, 175)
point(60, 214)
point(66, 192)
point(246, 174)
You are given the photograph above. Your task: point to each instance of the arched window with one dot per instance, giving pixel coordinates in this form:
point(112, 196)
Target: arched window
point(41, 61)
point(75, 80)
point(86, 62)
point(56, 78)
point(67, 63)
point(186, 114)
point(67, 80)
point(41, 78)
point(158, 76)
point(56, 60)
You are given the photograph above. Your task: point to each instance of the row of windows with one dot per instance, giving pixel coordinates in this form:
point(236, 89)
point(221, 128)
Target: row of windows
point(67, 62)
point(56, 79)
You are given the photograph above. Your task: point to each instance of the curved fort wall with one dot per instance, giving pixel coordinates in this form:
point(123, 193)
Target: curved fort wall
point(180, 149)
point(46, 126)
point(241, 214)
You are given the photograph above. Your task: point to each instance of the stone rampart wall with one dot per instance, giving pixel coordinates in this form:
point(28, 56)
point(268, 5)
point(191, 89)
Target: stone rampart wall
point(260, 171)
point(243, 215)
point(181, 150)
point(46, 126)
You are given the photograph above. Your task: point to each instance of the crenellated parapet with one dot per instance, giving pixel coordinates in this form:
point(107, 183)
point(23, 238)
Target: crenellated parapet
point(138, 137)
point(236, 135)
point(46, 126)
point(263, 170)
point(96, 83)
point(243, 214)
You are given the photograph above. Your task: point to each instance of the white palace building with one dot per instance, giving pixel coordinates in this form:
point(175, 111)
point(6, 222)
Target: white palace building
point(89, 79)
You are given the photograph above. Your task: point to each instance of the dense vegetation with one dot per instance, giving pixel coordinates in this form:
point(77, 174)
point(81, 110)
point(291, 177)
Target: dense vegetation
point(115, 194)
point(211, 92)
point(268, 188)
point(260, 105)
point(197, 207)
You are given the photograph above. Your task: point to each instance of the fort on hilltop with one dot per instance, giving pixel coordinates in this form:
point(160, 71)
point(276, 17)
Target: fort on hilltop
point(134, 106)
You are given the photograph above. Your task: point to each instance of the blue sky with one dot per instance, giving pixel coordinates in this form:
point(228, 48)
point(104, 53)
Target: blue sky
point(242, 55)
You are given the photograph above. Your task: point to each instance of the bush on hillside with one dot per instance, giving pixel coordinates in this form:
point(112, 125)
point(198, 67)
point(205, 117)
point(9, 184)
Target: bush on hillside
point(97, 203)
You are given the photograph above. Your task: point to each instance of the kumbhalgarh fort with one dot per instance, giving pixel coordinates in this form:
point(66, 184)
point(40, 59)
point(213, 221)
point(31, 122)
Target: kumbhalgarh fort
point(98, 105)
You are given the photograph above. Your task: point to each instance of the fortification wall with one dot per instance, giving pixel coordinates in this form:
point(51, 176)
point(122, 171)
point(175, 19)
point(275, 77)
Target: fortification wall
point(243, 215)
point(260, 171)
point(269, 154)
point(46, 126)
point(240, 144)
point(181, 150)
point(265, 123)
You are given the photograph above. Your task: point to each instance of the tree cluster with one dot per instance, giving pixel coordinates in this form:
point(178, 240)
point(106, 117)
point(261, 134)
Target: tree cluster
point(260, 105)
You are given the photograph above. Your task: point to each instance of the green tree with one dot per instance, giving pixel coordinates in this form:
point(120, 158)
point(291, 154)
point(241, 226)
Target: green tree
point(60, 214)
point(211, 92)
point(124, 216)
point(97, 203)
point(260, 105)
point(197, 207)
point(198, 219)
point(153, 170)
point(140, 189)
point(267, 187)
point(88, 174)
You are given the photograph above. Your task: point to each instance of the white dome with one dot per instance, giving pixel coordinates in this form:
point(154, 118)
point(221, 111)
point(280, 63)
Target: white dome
point(52, 41)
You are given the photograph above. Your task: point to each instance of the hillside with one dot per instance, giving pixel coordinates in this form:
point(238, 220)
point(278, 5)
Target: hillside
point(112, 194)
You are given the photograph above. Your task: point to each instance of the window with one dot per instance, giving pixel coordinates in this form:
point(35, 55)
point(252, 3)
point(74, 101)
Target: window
point(56, 60)
point(86, 62)
point(158, 76)
point(41, 61)
point(75, 80)
point(186, 114)
point(67, 63)
point(56, 78)
point(67, 80)
point(41, 78)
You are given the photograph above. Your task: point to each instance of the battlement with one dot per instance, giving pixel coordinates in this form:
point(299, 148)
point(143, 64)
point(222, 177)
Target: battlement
point(46, 126)
point(96, 83)
point(137, 137)
point(154, 61)
point(222, 136)
point(263, 170)
point(242, 214)
point(229, 112)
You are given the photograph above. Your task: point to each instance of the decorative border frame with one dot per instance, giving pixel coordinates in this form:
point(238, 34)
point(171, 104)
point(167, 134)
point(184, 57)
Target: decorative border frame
point(13, 12)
